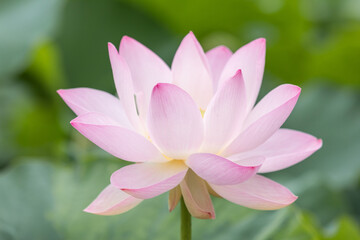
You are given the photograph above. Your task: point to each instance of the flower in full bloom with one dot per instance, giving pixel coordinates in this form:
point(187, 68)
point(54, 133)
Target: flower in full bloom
point(193, 129)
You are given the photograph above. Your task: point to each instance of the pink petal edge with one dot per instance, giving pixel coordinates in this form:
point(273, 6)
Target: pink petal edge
point(218, 170)
point(171, 111)
point(148, 180)
point(196, 197)
point(112, 201)
point(191, 71)
point(265, 119)
point(257, 193)
point(115, 139)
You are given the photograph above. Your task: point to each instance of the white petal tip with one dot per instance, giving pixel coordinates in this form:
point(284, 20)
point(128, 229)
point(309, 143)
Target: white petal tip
point(319, 143)
point(74, 122)
point(262, 40)
point(223, 48)
point(293, 87)
point(207, 215)
point(204, 215)
point(62, 92)
point(238, 73)
point(90, 210)
point(172, 208)
point(128, 40)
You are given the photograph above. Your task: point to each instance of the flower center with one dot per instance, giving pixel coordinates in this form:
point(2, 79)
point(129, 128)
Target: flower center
point(202, 112)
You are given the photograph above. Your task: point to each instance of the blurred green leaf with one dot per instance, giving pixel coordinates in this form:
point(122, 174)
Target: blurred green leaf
point(25, 200)
point(347, 229)
point(23, 25)
point(44, 201)
point(12, 98)
point(306, 40)
point(337, 58)
point(321, 180)
point(45, 69)
point(86, 31)
point(333, 115)
point(29, 115)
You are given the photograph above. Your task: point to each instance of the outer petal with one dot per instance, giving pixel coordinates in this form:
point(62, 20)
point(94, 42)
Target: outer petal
point(112, 201)
point(225, 115)
point(124, 86)
point(265, 119)
point(196, 196)
point(115, 139)
point(147, 69)
point(251, 60)
point(217, 58)
point(191, 71)
point(219, 170)
point(258, 193)
point(174, 197)
point(174, 121)
point(147, 180)
point(85, 100)
point(283, 149)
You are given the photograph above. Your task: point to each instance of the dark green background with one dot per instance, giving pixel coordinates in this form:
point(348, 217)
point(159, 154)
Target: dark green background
point(49, 172)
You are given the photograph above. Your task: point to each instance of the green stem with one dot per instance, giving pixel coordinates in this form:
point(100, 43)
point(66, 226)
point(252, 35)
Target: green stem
point(185, 222)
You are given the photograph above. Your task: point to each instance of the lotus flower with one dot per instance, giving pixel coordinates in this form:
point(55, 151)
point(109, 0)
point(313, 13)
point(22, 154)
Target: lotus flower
point(192, 130)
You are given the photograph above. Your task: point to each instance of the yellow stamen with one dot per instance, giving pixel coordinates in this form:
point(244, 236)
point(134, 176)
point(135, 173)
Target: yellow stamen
point(202, 112)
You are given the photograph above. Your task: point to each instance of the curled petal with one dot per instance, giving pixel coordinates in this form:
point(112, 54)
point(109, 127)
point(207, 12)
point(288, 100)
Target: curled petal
point(265, 119)
point(283, 149)
point(218, 170)
point(85, 100)
point(258, 193)
point(174, 122)
point(124, 85)
point(211, 191)
point(191, 71)
point(147, 180)
point(251, 60)
point(112, 201)
point(225, 115)
point(196, 196)
point(217, 58)
point(115, 139)
point(174, 197)
point(147, 69)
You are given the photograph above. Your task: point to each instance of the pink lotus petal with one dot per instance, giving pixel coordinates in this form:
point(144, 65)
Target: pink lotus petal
point(251, 60)
point(147, 180)
point(258, 193)
point(191, 71)
point(283, 149)
point(174, 197)
point(147, 69)
point(174, 121)
point(218, 170)
point(85, 100)
point(112, 201)
point(248, 161)
point(225, 115)
point(124, 86)
point(217, 58)
point(115, 139)
point(265, 119)
point(211, 191)
point(196, 196)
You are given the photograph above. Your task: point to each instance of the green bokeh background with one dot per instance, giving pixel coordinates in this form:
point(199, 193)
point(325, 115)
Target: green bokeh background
point(49, 172)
